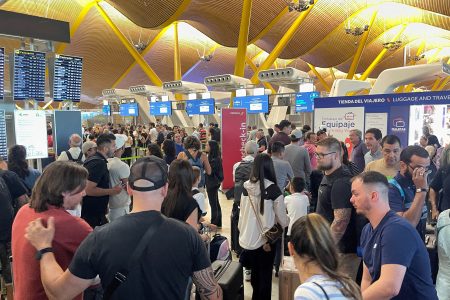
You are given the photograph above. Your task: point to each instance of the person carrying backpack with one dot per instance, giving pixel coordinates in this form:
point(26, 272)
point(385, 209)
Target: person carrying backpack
point(74, 153)
point(196, 158)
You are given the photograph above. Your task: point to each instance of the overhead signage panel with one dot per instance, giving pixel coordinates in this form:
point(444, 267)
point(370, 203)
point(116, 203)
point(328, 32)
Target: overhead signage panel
point(163, 108)
point(253, 104)
point(67, 76)
point(304, 102)
point(106, 110)
point(129, 110)
point(200, 107)
point(29, 75)
point(2, 73)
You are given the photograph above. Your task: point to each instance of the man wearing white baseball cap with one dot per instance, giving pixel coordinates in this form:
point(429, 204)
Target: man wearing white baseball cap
point(119, 172)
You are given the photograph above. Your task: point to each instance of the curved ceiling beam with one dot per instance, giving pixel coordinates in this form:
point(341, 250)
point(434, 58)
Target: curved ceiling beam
point(269, 26)
point(176, 15)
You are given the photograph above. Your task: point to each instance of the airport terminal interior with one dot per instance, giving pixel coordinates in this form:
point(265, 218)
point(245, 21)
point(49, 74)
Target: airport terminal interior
point(226, 149)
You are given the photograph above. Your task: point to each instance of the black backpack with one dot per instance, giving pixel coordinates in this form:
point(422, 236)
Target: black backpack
point(6, 210)
point(79, 160)
point(241, 175)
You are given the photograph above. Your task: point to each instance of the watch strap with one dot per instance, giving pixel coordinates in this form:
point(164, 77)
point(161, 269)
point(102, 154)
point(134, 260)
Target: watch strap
point(41, 252)
point(421, 190)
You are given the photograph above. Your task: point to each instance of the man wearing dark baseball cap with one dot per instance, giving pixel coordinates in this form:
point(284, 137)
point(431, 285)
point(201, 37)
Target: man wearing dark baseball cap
point(173, 251)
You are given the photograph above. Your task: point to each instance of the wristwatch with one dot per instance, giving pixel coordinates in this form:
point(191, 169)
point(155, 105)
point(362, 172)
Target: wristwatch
point(421, 190)
point(41, 252)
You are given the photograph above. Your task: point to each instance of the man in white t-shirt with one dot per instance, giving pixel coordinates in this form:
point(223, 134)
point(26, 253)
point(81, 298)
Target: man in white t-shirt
point(119, 171)
point(74, 153)
point(297, 203)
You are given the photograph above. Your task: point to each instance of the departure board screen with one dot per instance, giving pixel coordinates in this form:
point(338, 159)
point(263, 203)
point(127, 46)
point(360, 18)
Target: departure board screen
point(253, 104)
point(2, 73)
point(67, 74)
point(200, 107)
point(29, 75)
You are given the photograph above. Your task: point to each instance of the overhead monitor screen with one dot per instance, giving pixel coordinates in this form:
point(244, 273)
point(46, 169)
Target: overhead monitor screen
point(129, 110)
point(67, 74)
point(2, 73)
point(106, 110)
point(253, 104)
point(31, 132)
point(3, 141)
point(200, 107)
point(29, 75)
point(304, 102)
point(163, 108)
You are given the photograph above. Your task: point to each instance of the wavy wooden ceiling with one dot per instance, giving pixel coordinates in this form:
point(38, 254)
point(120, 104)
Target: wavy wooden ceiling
point(320, 40)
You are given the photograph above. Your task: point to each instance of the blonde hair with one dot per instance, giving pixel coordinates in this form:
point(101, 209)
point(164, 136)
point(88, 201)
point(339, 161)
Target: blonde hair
point(312, 239)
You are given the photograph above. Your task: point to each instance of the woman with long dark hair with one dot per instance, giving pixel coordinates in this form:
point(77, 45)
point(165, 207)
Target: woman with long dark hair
point(352, 167)
point(168, 147)
point(316, 257)
point(262, 206)
point(17, 163)
point(213, 181)
point(179, 203)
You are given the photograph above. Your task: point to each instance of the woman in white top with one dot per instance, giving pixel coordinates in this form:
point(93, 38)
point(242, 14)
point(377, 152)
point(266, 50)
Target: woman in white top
point(260, 209)
point(316, 258)
point(443, 240)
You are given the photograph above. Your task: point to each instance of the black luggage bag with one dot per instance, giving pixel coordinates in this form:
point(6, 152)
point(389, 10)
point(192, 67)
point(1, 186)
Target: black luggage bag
point(229, 275)
point(234, 230)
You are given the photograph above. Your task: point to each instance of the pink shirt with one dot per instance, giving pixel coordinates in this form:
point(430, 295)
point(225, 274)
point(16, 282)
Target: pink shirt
point(311, 148)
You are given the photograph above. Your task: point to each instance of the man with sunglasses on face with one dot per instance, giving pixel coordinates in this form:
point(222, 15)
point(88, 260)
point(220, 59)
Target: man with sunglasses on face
point(408, 189)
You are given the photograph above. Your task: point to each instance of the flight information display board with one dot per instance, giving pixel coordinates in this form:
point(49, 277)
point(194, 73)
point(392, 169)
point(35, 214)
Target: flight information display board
point(29, 75)
point(304, 102)
point(106, 110)
point(2, 73)
point(3, 141)
point(129, 110)
point(200, 107)
point(253, 104)
point(161, 108)
point(67, 75)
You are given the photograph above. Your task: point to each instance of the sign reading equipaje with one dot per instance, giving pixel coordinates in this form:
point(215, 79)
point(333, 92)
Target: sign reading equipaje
point(31, 132)
point(234, 137)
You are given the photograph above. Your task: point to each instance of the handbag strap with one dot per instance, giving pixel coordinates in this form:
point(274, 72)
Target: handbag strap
point(121, 276)
point(256, 214)
point(323, 290)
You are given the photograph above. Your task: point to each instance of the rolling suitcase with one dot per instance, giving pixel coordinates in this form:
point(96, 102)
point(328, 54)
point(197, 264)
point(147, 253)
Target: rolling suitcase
point(430, 242)
point(289, 279)
point(229, 275)
point(234, 230)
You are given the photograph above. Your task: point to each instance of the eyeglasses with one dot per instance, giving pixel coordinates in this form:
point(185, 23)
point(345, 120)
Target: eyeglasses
point(322, 155)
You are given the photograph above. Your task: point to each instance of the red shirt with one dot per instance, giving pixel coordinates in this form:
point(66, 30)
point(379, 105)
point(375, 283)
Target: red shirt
point(311, 147)
point(69, 233)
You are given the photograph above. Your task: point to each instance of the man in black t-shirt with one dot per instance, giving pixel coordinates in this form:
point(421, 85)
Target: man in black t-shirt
point(98, 190)
point(173, 254)
point(334, 202)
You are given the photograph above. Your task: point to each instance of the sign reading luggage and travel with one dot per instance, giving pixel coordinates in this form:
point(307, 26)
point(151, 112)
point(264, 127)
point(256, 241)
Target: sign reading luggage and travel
point(29, 75)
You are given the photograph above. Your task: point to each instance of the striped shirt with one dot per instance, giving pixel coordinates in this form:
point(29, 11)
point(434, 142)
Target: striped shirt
point(309, 290)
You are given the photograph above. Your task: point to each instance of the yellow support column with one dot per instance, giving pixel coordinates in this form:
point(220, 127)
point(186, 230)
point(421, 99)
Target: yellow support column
point(361, 46)
point(255, 69)
point(332, 74)
point(270, 25)
point(139, 59)
point(380, 56)
point(176, 54)
point(146, 50)
point(281, 45)
point(74, 26)
point(436, 84)
point(322, 80)
point(444, 83)
point(239, 65)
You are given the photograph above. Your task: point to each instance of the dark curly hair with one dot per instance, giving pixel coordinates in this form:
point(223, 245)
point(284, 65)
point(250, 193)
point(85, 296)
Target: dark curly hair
point(191, 142)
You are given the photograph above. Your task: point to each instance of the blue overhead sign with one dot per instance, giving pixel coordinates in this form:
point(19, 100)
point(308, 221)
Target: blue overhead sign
point(253, 104)
point(304, 102)
point(106, 110)
point(383, 100)
point(129, 110)
point(163, 108)
point(200, 107)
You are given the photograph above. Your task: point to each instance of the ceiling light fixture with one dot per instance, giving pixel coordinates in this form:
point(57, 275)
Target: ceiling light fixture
point(301, 6)
point(392, 46)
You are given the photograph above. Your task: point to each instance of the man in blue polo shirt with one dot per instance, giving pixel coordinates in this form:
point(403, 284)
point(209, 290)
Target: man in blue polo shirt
point(408, 189)
point(396, 263)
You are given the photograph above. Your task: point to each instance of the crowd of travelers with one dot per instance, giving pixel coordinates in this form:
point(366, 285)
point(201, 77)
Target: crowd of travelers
point(122, 213)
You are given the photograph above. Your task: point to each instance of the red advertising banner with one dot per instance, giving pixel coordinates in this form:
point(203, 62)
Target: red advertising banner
point(234, 137)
